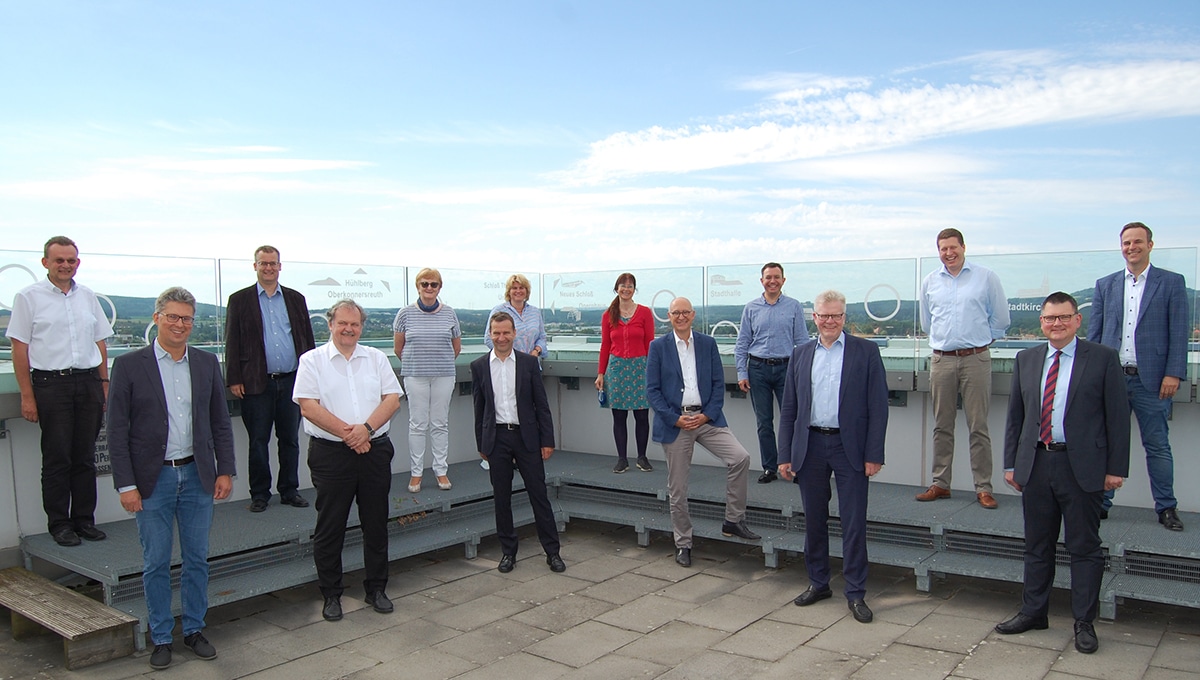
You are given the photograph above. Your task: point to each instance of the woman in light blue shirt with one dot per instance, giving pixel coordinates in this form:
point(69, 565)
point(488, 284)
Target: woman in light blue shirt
point(531, 330)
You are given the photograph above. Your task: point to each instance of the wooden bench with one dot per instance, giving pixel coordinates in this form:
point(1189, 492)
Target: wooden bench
point(92, 632)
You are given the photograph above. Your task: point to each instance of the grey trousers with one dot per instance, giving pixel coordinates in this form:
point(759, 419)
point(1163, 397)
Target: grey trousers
point(721, 443)
point(971, 376)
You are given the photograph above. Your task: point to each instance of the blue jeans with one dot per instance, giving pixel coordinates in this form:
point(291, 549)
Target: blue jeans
point(1152, 415)
point(766, 381)
point(260, 412)
point(177, 498)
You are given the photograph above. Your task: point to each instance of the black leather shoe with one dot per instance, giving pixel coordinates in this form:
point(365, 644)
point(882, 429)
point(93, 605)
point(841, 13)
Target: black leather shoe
point(767, 477)
point(811, 595)
point(332, 611)
point(1103, 514)
point(161, 656)
point(862, 613)
point(683, 557)
point(379, 600)
point(1021, 623)
point(506, 564)
point(1085, 637)
point(65, 536)
point(296, 501)
point(740, 530)
point(556, 564)
point(258, 505)
point(201, 646)
point(89, 532)
point(1170, 519)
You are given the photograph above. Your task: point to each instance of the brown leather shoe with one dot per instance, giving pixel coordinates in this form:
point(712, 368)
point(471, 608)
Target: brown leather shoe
point(933, 493)
point(987, 501)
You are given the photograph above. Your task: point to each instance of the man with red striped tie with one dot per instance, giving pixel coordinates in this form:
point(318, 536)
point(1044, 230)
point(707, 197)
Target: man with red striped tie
point(1066, 442)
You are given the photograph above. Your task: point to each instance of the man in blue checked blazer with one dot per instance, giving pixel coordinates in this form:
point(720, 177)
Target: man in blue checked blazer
point(1142, 312)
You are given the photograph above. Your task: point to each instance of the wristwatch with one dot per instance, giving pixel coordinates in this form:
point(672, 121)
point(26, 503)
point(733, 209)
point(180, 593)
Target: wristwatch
point(370, 430)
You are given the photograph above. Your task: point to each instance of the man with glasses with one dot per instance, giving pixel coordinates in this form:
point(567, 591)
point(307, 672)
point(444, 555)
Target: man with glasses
point(171, 444)
point(60, 360)
point(1142, 312)
point(266, 332)
point(963, 309)
point(834, 421)
point(1066, 442)
point(685, 385)
point(772, 326)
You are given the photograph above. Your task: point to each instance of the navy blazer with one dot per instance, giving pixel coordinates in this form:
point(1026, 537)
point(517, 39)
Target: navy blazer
point(664, 383)
point(137, 420)
point(245, 354)
point(533, 407)
point(1162, 329)
point(1096, 422)
point(862, 404)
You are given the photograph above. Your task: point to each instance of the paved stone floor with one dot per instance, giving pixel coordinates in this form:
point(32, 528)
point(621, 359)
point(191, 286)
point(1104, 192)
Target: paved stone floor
point(621, 611)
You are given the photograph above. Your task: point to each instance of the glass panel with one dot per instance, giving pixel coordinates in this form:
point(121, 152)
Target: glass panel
point(473, 294)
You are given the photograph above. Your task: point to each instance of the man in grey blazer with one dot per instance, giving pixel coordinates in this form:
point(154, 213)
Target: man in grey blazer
point(514, 430)
point(171, 445)
point(1066, 442)
point(834, 421)
point(1152, 339)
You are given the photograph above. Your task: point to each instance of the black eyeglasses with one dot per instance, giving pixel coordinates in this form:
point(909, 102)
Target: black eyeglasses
point(430, 284)
point(1060, 318)
point(828, 317)
point(175, 318)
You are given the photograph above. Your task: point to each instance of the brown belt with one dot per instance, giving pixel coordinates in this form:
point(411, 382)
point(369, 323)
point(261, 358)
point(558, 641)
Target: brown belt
point(960, 352)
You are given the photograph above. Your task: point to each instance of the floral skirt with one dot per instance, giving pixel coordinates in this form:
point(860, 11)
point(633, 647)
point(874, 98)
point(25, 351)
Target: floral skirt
point(625, 383)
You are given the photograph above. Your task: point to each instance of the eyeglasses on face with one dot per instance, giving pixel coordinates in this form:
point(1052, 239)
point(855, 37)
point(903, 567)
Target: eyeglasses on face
point(175, 318)
point(430, 284)
point(829, 317)
point(682, 312)
point(265, 264)
point(1059, 318)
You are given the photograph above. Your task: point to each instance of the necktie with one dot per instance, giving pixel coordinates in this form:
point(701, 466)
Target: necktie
point(1045, 433)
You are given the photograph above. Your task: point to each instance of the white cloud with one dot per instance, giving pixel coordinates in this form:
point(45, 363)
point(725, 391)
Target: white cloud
point(255, 165)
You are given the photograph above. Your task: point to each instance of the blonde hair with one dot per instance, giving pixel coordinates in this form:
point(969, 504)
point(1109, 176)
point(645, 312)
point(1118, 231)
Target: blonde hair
point(513, 280)
point(427, 273)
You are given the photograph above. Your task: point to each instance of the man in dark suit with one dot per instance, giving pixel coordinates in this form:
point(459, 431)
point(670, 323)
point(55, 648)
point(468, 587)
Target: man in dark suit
point(266, 332)
point(1065, 443)
point(1142, 312)
point(834, 419)
point(685, 385)
point(171, 445)
point(514, 429)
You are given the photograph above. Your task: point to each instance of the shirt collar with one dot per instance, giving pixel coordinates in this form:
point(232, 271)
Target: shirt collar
point(1068, 351)
point(1128, 274)
point(262, 291)
point(160, 353)
point(331, 350)
point(841, 340)
point(966, 266)
point(493, 358)
point(50, 284)
point(681, 343)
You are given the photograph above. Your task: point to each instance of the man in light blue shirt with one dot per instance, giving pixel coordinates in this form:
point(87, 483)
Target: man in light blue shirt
point(772, 325)
point(963, 309)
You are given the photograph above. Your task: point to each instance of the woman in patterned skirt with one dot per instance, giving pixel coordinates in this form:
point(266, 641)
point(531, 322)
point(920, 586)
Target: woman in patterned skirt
point(625, 334)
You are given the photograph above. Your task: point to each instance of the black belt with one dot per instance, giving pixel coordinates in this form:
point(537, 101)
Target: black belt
point(1052, 446)
point(1129, 370)
point(770, 362)
point(63, 372)
point(692, 409)
point(179, 462)
point(961, 352)
point(279, 376)
point(508, 426)
point(825, 430)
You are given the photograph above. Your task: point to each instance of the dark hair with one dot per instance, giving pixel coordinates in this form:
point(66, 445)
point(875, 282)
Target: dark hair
point(1138, 225)
point(58, 241)
point(771, 265)
point(951, 233)
point(267, 249)
point(501, 316)
point(614, 310)
point(1059, 298)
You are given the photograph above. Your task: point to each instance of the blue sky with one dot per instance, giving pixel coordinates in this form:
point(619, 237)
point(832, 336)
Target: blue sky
point(560, 136)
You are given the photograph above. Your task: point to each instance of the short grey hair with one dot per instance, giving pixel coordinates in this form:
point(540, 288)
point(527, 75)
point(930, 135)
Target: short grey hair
point(346, 302)
point(174, 294)
point(829, 296)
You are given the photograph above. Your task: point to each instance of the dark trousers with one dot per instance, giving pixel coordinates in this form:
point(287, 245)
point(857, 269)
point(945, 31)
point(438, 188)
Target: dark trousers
point(70, 411)
point(509, 453)
point(260, 412)
point(1050, 498)
point(766, 383)
point(825, 457)
point(341, 478)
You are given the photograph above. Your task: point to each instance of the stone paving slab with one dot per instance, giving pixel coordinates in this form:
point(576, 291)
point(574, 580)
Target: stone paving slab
point(583, 644)
point(625, 588)
point(1002, 660)
point(672, 644)
point(711, 665)
point(947, 633)
point(402, 640)
point(906, 661)
point(471, 615)
point(493, 642)
point(1119, 661)
point(729, 613)
point(646, 613)
point(767, 640)
point(564, 613)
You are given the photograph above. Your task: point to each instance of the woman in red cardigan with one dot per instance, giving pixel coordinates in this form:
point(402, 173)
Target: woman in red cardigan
point(625, 334)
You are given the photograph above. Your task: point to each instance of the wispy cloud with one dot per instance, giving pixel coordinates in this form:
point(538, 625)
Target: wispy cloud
point(817, 122)
point(256, 165)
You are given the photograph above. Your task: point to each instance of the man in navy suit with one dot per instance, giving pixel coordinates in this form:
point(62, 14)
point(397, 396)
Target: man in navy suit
point(1066, 442)
point(171, 445)
point(834, 419)
point(685, 385)
point(1142, 312)
point(514, 429)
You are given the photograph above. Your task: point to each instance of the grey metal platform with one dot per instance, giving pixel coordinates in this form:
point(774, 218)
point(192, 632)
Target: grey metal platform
point(255, 553)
